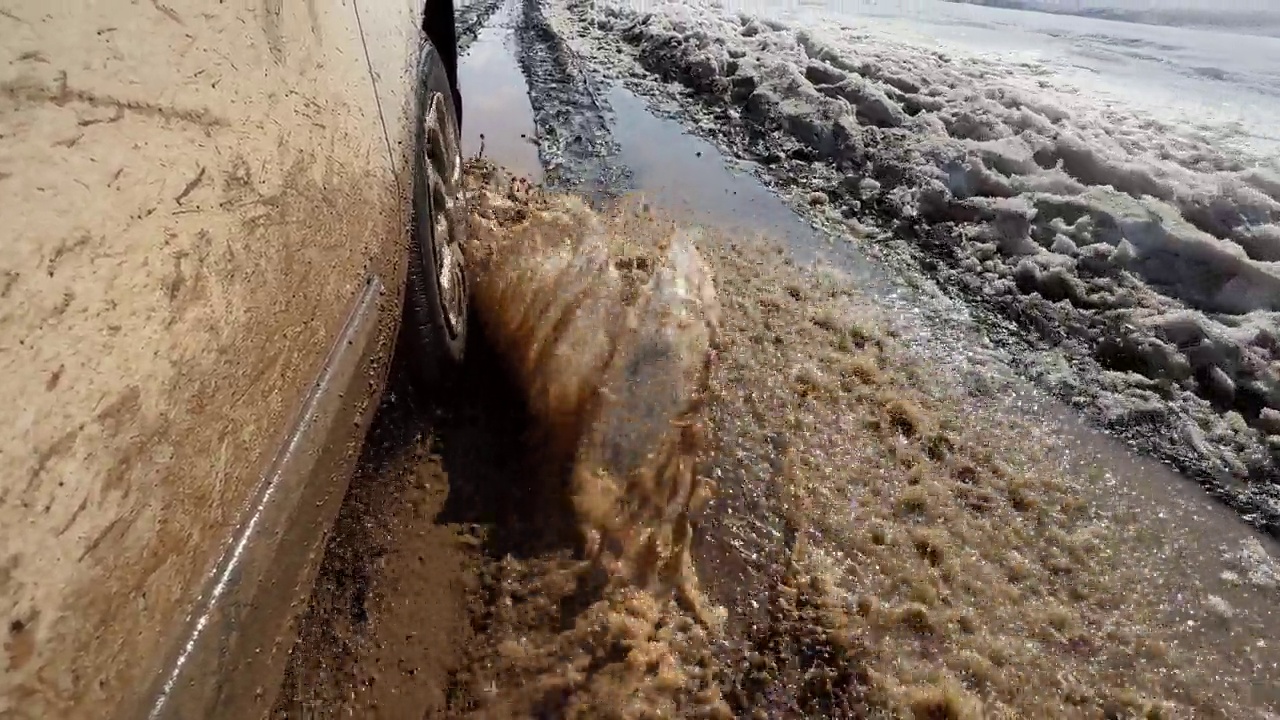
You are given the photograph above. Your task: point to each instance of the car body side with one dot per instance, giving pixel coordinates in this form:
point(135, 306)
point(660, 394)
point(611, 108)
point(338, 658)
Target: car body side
point(204, 239)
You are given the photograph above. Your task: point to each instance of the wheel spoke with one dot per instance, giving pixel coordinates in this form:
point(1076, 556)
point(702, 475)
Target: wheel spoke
point(443, 165)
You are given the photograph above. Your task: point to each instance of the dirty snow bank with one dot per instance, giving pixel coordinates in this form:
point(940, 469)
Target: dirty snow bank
point(1149, 257)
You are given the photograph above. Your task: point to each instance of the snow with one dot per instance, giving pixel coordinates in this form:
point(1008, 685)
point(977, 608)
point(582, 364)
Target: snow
point(1149, 244)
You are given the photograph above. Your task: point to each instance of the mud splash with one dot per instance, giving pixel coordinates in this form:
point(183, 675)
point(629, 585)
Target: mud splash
point(608, 326)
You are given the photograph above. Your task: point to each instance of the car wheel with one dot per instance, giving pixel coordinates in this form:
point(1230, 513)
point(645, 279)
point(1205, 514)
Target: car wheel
point(437, 297)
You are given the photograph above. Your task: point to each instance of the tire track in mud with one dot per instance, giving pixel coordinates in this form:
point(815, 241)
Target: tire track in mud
point(398, 598)
point(576, 146)
point(471, 19)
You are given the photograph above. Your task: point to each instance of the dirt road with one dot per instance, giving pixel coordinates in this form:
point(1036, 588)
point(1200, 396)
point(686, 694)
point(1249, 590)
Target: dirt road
point(391, 618)
point(898, 531)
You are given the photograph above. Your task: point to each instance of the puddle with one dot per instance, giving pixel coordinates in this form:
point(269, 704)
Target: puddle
point(687, 176)
point(498, 116)
point(692, 179)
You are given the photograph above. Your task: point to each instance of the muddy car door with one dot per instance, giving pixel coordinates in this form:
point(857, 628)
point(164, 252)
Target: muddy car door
point(204, 232)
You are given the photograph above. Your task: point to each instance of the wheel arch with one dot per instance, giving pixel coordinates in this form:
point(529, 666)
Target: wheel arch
point(440, 27)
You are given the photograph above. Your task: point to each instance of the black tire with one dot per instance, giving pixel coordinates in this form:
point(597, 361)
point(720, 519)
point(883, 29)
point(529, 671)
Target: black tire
point(436, 299)
point(441, 27)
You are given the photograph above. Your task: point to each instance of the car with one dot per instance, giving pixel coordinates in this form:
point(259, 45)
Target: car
point(220, 221)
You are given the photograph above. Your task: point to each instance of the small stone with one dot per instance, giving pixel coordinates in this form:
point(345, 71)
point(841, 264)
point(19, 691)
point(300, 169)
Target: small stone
point(857, 229)
point(1013, 245)
point(984, 251)
point(1257, 566)
point(817, 197)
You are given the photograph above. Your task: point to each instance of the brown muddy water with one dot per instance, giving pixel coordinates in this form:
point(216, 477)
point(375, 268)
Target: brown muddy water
point(900, 528)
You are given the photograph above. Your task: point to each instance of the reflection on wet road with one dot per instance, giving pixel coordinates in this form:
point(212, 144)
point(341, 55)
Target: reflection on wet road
point(499, 121)
point(689, 177)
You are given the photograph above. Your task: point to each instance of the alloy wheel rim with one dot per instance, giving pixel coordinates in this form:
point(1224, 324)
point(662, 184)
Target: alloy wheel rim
point(443, 163)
